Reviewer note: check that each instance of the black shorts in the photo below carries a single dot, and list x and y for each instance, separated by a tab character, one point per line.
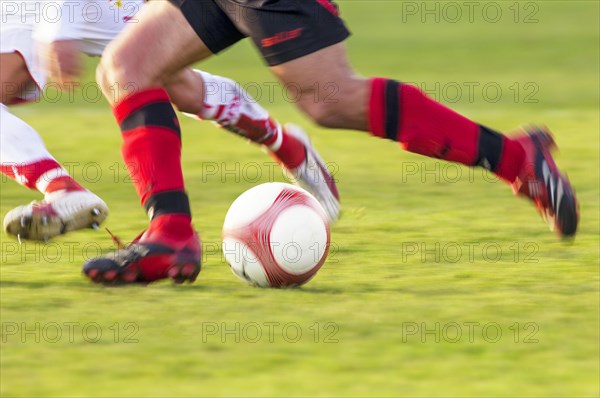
283	30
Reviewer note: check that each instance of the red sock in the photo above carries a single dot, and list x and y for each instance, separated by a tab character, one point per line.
402	113
511	161
45	175
178	226
286	148
65	183
152	153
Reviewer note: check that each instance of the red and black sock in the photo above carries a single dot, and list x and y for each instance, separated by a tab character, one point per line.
403	113
152	152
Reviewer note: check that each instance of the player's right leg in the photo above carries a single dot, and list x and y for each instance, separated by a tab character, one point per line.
132	74
67	206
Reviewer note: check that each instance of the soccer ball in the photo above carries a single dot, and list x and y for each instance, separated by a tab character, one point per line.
275	235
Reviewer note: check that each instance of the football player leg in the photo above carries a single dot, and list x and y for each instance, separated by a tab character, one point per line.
403	113
230	106
151	145
302	42
67	206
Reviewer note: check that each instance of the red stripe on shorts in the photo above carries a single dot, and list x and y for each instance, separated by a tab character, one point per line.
329	6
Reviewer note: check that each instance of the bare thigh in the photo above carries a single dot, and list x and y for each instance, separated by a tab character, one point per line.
326	88
146	54
14	77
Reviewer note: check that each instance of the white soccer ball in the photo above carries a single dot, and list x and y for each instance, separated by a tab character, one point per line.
275	235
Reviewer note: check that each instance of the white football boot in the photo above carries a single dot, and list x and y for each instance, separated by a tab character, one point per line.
60	212
314	176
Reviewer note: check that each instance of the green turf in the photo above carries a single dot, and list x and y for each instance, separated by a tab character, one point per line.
375	291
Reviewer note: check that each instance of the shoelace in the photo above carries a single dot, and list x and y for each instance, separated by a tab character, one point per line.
127	254
118	242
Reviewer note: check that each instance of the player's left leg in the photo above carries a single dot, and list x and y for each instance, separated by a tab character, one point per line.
302	42
401	112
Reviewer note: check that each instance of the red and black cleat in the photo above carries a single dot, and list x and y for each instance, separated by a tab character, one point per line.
542	182
150	257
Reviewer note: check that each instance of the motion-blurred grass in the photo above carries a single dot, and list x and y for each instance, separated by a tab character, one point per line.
416	253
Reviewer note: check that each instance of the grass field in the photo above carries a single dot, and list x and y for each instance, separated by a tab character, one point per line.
440	283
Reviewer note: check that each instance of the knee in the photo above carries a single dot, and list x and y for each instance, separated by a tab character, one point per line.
118	76
186	90
324	114
102	77
342	108
109	73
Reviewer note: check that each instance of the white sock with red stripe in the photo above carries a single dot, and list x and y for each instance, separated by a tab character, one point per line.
228	105
24	157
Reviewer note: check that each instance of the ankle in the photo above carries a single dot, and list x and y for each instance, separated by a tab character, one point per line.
178	226
65	183
511	161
